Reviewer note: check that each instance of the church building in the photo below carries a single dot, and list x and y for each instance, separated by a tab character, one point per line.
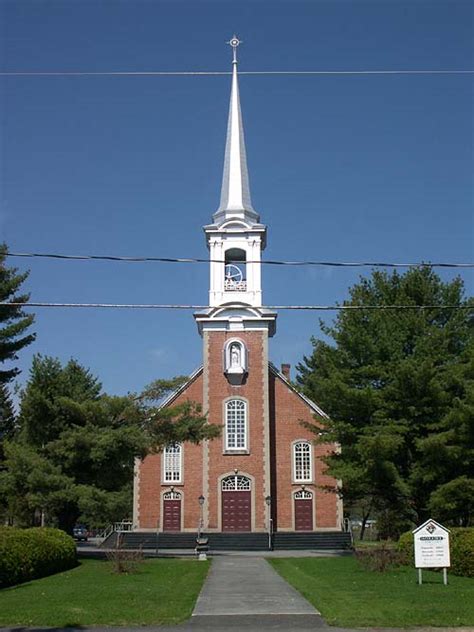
264	474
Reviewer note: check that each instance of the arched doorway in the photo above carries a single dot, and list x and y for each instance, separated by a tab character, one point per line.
172	511
303	510
236	503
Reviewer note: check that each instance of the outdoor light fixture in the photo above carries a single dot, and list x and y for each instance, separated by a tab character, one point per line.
201	500
268	500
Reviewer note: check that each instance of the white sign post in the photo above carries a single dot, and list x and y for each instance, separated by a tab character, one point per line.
431	542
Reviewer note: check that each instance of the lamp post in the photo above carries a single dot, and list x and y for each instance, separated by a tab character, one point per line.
268	501
201	500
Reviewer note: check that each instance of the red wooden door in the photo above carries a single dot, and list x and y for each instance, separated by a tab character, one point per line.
172	515
236	511
304	515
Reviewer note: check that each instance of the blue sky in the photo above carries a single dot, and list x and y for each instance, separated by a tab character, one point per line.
341	167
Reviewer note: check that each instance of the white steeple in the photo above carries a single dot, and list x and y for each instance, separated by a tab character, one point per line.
235	193
235	239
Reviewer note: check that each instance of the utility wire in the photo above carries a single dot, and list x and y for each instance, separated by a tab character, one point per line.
161	73
273	262
205	307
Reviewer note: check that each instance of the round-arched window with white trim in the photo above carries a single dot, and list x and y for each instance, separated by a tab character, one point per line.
302	462
303	494
172	463
235	425
236	483
172	496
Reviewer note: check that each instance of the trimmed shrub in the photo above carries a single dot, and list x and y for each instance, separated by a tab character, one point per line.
27	554
462	551
461	542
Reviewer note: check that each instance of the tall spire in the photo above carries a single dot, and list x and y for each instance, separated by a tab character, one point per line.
235	194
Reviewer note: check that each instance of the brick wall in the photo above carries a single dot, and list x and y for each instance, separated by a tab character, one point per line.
269	453
254	391
287	411
151	486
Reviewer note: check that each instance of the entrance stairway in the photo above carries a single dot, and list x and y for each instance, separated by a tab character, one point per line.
314	541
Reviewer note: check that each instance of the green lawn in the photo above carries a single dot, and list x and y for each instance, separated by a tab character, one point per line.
347	595
163	591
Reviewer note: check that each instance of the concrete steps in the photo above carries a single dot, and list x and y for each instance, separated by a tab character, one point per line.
314	541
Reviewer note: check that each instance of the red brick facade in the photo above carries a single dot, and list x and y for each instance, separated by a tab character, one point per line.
274	415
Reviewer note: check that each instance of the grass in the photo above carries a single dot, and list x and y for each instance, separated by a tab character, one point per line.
162	591
372	544
347	595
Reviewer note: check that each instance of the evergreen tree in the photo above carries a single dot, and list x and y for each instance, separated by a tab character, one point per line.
7	415
14	322
7	420
389	380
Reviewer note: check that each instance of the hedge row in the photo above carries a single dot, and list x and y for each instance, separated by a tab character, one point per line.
461	541
31	553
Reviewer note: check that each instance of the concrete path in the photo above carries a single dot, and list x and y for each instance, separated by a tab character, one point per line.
248	586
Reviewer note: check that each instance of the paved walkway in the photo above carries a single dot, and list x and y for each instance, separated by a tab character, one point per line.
248	586
243	592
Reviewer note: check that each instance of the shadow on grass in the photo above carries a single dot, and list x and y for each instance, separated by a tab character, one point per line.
35	579
67	626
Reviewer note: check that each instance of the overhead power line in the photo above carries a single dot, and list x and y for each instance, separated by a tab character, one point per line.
204	307
273	262
179	73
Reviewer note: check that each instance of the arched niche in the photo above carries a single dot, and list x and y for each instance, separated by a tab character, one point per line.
235	361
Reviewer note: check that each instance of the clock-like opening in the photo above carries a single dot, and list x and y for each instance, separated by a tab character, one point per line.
235	278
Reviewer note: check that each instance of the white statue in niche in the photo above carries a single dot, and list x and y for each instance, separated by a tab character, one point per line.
235	362
235	356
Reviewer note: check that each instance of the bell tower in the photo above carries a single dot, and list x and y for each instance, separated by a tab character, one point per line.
236	238
235	329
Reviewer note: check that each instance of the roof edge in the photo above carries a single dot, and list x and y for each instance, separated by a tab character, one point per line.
307	401
172	396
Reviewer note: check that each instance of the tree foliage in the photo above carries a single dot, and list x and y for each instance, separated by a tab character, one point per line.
397	385
74	454
7	414
14	323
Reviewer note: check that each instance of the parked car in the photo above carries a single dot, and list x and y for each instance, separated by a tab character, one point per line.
80	533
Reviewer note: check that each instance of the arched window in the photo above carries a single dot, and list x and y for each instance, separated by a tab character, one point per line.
236	425
172	463
236	484
302	462
172	496
303	495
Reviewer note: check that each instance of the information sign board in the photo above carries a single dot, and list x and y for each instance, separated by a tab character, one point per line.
431	545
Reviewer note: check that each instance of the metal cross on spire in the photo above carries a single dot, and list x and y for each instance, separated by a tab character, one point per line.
234	42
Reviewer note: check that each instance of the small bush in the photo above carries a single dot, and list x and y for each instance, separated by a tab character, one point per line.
380	558
27	554
461	541
124	561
